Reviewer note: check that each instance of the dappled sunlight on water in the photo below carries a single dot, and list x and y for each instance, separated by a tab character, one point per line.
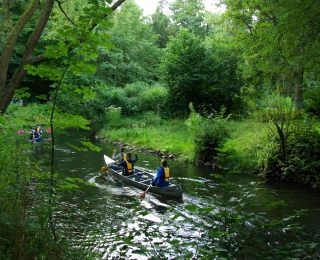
109	219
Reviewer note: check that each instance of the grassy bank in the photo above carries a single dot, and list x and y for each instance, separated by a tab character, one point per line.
171	137
244	147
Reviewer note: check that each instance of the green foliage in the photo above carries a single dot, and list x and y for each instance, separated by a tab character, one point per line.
150	131
162	25
134	99
28	229
22	92
207	133
291	151
312	100
136	56
275	53
280	112
246	144
302	159
151	118
276	108
30	115
189	14
113	115
185	68
199	73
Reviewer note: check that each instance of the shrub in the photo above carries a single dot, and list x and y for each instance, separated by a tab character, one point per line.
312	100
208	133
113	116
302	159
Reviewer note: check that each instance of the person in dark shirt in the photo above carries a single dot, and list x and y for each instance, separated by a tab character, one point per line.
128	164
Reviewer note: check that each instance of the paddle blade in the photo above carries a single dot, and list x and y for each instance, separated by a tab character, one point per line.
103	169
143	195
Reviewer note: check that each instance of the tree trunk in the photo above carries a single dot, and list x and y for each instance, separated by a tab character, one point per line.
7	89
8	86
298	88
282	142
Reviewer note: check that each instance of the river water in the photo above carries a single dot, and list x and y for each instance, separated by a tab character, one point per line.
109	221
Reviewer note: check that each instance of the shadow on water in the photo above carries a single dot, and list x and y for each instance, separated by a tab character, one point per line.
110	220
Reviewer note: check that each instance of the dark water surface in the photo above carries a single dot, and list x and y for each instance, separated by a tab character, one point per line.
109	219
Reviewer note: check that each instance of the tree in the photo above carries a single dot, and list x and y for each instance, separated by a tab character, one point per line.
162	26
200	73
15	28
136	56
189	14
279	42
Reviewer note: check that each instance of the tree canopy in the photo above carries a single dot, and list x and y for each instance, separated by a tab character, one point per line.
26	25
279	41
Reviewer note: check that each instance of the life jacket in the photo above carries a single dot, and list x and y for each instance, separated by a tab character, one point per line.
38	130
124	156
129	167
166	174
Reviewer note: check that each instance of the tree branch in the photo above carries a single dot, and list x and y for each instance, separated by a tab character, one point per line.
8	22
60	7
12	41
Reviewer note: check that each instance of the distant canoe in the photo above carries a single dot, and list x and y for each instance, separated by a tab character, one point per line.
142	179
35	140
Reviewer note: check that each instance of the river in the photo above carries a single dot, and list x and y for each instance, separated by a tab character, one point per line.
109	221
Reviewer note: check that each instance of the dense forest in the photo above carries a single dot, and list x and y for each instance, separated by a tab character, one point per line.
256	60
104	66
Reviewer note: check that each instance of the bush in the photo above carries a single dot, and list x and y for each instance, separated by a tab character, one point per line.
113	116
312	100
208	133
303	152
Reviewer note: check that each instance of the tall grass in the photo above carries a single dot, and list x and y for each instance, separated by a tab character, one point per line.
246	145
169	136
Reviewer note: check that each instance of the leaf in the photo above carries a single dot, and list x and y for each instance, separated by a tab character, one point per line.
191	207
91	146
174	242
217	176
176	216
220	250
209	209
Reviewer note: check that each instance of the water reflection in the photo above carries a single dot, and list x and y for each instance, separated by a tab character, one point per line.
109	219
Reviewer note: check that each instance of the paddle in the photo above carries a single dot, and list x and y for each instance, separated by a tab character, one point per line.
143	195
104	168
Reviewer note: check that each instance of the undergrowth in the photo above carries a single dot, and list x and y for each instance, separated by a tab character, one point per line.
244	146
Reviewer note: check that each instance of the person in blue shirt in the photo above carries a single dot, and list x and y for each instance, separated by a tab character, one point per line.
128	164
163	175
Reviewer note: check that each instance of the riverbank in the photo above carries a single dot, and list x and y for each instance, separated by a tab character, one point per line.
171	138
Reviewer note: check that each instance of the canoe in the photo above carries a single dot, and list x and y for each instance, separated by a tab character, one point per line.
35	140
141	180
